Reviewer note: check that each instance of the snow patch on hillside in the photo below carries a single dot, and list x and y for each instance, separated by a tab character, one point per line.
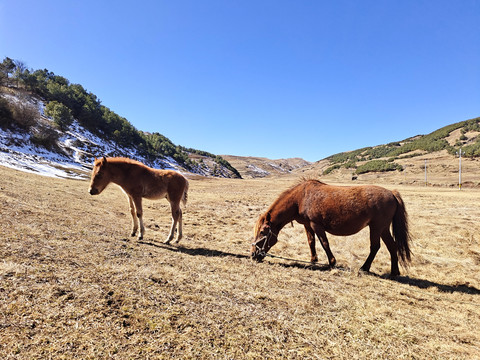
78	150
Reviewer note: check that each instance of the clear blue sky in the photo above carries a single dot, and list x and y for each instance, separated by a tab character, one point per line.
277	79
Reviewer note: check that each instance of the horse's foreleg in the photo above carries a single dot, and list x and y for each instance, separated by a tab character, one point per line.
324	241
311	243
134	216
392	249
374	247
139	212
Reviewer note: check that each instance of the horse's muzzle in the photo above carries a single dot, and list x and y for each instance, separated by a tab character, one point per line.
257	255
93	191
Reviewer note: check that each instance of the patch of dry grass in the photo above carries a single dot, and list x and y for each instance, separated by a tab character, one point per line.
73	285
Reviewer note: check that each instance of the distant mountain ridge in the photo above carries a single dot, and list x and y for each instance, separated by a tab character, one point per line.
258	167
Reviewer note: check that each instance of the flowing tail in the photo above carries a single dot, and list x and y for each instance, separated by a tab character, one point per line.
185	193
400	230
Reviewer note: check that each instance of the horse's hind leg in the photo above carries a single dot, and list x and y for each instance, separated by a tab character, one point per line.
139	212
176	218
134	215
311	243
180	226
392	249
374	247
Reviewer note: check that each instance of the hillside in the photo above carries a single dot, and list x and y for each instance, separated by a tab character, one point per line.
46	120
404	162
257	167
44	147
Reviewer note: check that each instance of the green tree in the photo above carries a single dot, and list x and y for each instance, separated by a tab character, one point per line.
61	115
20	68
7	67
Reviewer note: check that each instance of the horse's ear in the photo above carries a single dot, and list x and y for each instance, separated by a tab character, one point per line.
268	218
104	161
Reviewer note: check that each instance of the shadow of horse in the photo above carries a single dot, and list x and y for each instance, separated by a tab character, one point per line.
419	283
425	284
199	251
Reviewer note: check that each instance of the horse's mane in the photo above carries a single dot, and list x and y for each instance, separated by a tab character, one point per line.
301	182
124	160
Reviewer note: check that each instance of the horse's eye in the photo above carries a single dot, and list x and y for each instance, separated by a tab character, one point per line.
99	176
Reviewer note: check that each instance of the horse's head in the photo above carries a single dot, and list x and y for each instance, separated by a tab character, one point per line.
100	176
264	237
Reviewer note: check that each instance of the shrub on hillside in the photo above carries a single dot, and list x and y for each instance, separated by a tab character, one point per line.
6	117
46	137
24	114
378	166
331	168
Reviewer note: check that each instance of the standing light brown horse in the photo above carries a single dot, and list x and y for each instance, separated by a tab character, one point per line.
338	210
140	181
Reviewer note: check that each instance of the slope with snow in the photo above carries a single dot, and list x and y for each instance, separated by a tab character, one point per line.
76	150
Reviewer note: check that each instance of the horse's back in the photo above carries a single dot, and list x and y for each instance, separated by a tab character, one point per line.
167	183
359	196
347	209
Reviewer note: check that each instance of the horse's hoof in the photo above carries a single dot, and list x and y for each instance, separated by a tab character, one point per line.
167	242
140	238
362	271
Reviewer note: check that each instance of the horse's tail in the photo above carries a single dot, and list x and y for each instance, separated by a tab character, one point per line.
185	193
400	230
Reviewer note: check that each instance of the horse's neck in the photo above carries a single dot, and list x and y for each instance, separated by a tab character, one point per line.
117	173
283	212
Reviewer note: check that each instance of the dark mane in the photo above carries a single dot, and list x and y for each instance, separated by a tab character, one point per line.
303	181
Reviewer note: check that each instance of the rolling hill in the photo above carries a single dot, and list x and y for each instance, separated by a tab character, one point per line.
404	161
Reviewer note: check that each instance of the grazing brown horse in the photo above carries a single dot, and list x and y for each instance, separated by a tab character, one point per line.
139	181
338	210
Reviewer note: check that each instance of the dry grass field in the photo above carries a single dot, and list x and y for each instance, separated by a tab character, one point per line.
74	285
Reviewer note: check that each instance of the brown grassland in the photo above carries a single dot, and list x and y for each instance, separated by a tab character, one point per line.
73	284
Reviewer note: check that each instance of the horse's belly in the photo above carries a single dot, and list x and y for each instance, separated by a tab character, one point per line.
346	228
155	195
